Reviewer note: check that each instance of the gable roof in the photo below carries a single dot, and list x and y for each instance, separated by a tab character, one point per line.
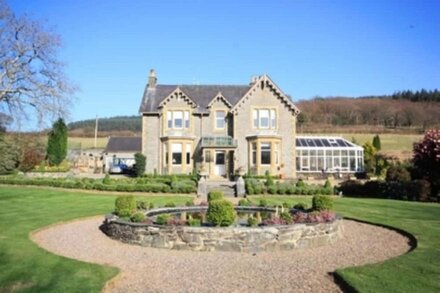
124	144
203	95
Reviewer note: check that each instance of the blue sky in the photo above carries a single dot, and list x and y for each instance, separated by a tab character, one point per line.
309	48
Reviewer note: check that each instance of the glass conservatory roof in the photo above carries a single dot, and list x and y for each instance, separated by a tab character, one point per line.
324	142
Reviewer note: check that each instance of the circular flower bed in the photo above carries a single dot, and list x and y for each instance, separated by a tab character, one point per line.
221	226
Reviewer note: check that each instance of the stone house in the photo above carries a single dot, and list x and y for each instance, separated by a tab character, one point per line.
219	129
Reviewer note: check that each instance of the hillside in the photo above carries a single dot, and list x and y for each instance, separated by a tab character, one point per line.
405	111
124	125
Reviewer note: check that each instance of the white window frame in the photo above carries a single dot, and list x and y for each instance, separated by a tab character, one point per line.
172	116
218	119
271	118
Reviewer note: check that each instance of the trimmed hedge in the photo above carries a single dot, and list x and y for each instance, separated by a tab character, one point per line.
156	185
419	190
254	186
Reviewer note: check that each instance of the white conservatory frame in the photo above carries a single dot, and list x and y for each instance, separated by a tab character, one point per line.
328	154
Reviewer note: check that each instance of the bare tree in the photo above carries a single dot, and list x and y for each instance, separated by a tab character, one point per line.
32	81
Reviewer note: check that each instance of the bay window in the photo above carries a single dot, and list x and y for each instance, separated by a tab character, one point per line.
176	149
265	153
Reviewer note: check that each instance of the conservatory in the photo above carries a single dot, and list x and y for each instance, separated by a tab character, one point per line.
328	154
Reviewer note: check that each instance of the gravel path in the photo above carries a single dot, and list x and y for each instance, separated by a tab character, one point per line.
160	270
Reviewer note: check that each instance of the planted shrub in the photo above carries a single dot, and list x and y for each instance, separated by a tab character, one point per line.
125	206
151	206
194	222
215	195
170	205
269	181
189	203
271	189
327	184
139	166
286	205
162	219
322	202
300	206
221	213
137	217
300	183
420	190
107	180
141	204
263	203
244	202
286	217
252	221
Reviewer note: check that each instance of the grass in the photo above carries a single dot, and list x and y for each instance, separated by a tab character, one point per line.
26	267
86	142
389	142
417	271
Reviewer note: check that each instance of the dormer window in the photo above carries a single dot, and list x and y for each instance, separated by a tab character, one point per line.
178	119
264	118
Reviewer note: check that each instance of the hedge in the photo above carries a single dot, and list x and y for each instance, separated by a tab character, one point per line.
254	186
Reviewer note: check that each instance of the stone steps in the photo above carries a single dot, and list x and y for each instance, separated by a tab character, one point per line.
228	188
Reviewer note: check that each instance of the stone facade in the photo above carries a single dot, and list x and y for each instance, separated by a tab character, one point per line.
241	239
199	106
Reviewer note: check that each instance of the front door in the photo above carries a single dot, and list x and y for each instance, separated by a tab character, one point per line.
220	163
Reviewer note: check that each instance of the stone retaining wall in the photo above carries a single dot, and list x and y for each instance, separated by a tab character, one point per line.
245	239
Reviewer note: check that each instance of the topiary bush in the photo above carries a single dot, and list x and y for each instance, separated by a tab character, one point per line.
322	202
107	180
327	184
137	217
215	195
300	183
142	204
221	213
125	206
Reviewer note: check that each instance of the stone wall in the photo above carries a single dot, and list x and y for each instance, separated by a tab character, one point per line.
244	239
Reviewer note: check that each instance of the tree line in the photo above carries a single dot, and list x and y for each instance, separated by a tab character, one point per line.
117	123
418	109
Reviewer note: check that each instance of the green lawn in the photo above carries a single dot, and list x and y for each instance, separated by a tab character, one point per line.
418	271
23	265
389	142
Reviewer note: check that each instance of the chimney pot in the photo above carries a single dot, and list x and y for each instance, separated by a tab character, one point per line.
152	80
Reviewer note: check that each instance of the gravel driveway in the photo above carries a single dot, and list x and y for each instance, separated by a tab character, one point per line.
160	270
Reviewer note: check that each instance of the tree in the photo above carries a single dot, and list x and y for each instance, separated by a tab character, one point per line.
9	154
369	157
57	143
426	159
139	166
31	76
376	142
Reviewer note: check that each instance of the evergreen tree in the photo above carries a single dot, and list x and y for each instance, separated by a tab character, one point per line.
140	162
376	142
57	143
9	154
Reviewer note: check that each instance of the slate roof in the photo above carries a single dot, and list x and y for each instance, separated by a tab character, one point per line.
202	95
124	144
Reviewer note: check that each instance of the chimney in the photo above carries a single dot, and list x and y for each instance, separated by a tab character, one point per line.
152	80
